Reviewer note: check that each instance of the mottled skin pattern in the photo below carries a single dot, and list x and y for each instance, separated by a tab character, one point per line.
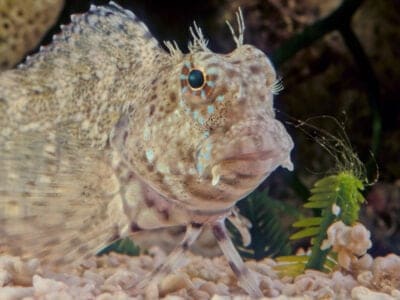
103	134
22	25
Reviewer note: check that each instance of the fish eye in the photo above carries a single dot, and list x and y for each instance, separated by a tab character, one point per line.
196	79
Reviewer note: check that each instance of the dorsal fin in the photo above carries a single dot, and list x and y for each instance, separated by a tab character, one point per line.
99	62
105	29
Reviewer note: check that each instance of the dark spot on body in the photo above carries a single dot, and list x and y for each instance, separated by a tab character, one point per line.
6	25
164	214
31	219
44	253
3	64
231	73
138	65
255	69
52	242
131	176
134	227
148	202
26	194
172	97
212	77
175	170
152	108
125	137
164	269
39	203
223	90
235	269
185	71
213	65
160	177
196	225
190	153
185	246
83	249
75	242
144	157
31	183
122	27
219	233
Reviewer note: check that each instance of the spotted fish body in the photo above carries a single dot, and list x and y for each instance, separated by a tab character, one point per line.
103	133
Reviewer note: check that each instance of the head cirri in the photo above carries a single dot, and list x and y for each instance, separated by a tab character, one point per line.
205	134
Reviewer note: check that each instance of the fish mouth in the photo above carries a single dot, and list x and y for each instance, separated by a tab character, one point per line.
249	151
259	140
251	156
232	162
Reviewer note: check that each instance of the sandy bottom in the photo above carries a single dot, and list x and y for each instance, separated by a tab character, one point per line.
113	277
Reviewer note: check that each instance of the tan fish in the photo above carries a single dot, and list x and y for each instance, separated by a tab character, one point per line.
103	134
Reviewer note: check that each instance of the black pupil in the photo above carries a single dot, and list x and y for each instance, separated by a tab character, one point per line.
196	79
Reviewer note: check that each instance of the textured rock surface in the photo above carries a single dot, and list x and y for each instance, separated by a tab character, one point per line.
113	277
23	23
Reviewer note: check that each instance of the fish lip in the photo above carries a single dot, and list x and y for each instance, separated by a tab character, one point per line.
267	140
262	141
256	155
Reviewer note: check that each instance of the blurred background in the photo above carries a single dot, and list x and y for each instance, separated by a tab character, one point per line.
336	58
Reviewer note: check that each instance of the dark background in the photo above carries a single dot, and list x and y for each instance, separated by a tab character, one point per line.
343	63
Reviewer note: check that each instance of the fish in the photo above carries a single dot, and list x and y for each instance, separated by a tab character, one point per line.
106	133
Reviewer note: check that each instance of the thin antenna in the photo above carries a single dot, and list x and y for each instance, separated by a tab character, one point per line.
239	36
173	49
199	41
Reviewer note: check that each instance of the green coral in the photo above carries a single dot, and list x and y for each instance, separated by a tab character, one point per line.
338	197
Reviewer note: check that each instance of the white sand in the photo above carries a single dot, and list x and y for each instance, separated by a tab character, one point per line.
113	277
